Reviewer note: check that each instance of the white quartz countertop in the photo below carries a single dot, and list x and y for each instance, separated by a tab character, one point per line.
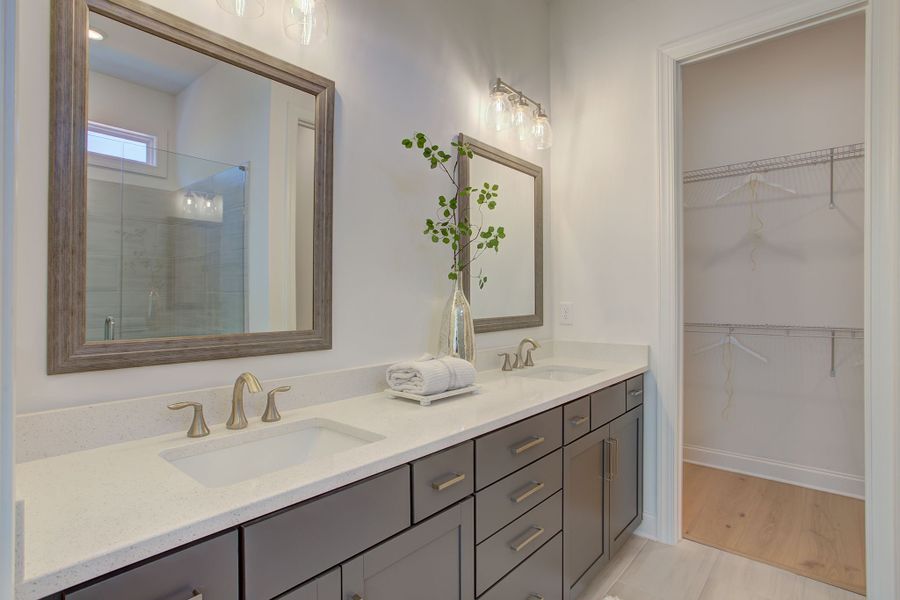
92	512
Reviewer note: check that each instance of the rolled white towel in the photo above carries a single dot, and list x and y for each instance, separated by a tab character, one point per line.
430	375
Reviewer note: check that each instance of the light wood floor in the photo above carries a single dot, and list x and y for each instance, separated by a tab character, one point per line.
644	570
811	533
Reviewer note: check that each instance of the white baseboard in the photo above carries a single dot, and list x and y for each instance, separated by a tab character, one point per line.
809	477
647	528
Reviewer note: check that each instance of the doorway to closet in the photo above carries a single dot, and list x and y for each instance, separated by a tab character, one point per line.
773	229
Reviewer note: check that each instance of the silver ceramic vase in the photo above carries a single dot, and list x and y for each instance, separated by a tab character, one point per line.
457	337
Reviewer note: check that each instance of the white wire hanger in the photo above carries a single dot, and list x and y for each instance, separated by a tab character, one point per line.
753	182
729	340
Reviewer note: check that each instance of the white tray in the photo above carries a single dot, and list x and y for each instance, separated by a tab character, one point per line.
427	400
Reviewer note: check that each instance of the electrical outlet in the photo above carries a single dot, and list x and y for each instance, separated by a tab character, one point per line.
566	313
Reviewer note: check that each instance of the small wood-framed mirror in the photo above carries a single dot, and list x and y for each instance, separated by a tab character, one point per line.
190	194
513	297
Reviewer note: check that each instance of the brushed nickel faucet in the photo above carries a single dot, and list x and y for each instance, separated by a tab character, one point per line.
238	419
528	361
271	414
198	424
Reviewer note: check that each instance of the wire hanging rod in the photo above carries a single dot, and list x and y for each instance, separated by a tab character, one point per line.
827	155
784	330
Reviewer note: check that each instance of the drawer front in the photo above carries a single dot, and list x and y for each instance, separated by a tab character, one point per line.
326	587
607	404
500	553
634	392
576	419
500	453
209	568
513	496
290	547
537	577
442	479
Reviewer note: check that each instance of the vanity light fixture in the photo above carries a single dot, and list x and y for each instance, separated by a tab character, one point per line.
248	9
509	106
305	21
95	35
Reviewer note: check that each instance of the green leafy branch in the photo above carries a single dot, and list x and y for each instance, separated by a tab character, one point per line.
450	228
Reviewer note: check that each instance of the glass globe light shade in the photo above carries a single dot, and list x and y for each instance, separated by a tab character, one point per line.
498	110
305	21
541	130
521	119
248	9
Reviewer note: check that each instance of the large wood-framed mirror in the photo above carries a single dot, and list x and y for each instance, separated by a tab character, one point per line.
190	194
513	298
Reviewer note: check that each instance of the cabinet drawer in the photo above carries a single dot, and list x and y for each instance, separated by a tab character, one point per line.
288	548
635	392
576	419
607	404
209	568
502	452
326	587
537	577
442	479
513	496
500	553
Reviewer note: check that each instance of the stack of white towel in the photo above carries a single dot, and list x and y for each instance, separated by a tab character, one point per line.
429	375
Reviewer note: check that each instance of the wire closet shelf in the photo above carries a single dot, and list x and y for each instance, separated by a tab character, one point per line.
775	330
814	157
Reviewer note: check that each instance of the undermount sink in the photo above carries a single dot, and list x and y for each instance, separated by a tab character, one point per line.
558	373
239	457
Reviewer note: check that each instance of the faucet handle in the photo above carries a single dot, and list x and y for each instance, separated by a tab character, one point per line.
271	413
198	424
529	360
506	365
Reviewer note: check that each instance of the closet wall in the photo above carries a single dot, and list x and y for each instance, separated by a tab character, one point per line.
777	258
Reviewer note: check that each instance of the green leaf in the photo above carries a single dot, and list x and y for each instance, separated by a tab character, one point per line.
407	143
451	275
495	187
435	239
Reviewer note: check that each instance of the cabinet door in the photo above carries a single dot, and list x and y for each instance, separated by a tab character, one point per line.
626	486
434	560
585	496
325	587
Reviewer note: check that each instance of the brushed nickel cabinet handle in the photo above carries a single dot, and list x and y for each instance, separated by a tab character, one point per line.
607	462
636	393
614	459
521	543
197	596
356	597
536	440
578	421
455	478
535	597
534	489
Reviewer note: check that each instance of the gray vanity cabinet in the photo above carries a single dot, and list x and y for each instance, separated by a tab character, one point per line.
626	488
433	560
586	498
326	587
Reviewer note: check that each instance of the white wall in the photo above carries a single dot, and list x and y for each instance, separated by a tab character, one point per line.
788	419
604	216
400	66
7	401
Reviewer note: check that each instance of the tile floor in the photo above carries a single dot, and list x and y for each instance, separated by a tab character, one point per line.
645	570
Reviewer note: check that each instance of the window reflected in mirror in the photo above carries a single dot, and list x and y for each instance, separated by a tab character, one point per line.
200	193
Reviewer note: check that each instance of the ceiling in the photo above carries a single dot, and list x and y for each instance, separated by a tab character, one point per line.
133	55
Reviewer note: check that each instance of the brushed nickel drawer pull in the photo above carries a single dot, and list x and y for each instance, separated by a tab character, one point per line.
536	440
535	597
534	489
578	421
356	597
454	478
636	393
519	545
197	596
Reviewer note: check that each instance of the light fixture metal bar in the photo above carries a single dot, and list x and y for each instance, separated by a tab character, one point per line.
505	87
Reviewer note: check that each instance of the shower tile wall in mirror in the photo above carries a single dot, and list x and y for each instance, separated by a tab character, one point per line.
200	193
